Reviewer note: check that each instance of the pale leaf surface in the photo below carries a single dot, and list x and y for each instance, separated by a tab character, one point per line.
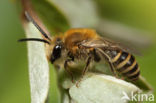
38	66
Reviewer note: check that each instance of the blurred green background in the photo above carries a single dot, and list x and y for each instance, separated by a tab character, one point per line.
14	83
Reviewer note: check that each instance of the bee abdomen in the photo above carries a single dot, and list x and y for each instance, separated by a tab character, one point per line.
125	64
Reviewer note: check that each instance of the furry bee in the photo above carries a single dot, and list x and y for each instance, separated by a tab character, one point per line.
87	46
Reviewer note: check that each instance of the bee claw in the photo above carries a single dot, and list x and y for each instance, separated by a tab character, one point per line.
122	78
118	77
78	82
77	85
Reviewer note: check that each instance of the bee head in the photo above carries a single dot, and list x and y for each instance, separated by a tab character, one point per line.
54	46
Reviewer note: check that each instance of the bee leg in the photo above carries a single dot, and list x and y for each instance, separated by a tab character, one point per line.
110	63
122	78
84	70
87	66
112	69
68	71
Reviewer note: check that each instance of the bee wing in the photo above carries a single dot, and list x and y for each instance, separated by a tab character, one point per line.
108	44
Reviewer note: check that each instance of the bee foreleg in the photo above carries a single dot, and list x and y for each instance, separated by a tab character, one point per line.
66	68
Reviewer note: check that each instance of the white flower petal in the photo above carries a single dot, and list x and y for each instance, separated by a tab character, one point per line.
101	89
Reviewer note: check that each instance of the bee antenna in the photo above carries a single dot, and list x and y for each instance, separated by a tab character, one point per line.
34	39
36	25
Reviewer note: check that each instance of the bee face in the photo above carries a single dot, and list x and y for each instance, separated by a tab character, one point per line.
56	51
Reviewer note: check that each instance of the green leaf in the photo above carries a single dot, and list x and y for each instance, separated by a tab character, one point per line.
55	21
80	13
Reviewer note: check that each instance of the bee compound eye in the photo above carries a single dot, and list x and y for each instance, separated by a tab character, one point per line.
57	47
56	53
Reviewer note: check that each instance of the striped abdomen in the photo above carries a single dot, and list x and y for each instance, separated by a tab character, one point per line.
125	64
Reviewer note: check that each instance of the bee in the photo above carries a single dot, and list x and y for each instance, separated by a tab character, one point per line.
85	45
